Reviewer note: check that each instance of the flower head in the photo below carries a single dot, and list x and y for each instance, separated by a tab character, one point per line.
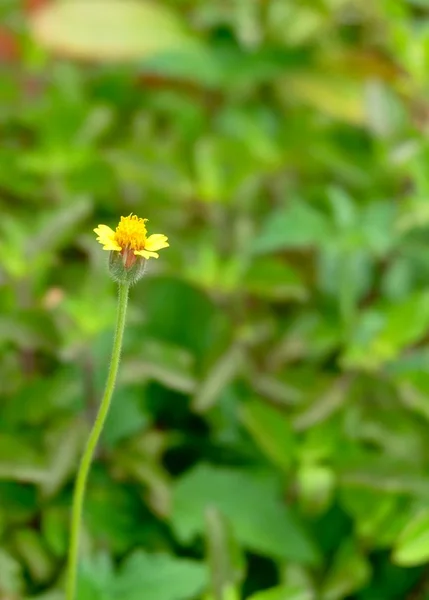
129	243
130	238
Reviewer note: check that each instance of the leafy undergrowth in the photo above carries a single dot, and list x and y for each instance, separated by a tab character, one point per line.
268	438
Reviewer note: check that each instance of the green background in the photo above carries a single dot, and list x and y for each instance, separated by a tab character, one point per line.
269	435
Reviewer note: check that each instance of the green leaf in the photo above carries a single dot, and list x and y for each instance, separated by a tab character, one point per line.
271	431
59	226
115	514
139	459
125	417
284	592
273	279
194	62
316	487
11	582
96	579
55	397
380	336
420	3
412	545
19	461
227	565
159	577
29	329
297	226
34	555
252	502
65	445
222	372
340	97
154	576
53	595
55	529
169	364
170	322
19	502
379	517
108	30
350	571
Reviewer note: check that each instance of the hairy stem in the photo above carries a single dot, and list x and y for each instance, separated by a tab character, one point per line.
86	460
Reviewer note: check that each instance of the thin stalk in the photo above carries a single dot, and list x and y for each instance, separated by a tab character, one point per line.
94	436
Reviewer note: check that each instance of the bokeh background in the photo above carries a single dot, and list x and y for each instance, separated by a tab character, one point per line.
269	436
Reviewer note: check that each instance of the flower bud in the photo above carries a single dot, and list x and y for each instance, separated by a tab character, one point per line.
125	267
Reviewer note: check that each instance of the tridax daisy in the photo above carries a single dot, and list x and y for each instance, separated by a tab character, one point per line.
130	239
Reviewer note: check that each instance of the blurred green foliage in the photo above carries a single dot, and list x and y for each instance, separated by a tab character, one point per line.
269	436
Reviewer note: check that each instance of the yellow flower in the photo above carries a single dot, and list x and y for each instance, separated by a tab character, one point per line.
130	239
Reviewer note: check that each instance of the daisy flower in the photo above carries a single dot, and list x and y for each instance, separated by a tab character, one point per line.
130	240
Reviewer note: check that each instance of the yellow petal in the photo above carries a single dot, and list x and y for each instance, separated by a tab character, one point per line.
146	254
156	241
106	237
103	230
111	246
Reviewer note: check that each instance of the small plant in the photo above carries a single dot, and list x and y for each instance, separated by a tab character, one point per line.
129	249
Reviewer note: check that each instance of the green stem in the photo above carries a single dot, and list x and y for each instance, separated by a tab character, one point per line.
85	463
